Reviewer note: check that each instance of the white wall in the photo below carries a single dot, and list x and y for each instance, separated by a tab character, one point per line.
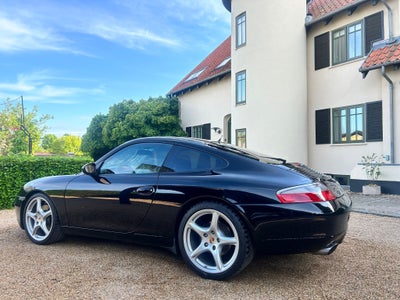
275	113
209	104
342	85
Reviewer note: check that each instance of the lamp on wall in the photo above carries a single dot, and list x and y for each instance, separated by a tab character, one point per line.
218	131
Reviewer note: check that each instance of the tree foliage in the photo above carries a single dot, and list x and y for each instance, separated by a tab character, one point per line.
48	141
13	139
67	144
129	120
92	140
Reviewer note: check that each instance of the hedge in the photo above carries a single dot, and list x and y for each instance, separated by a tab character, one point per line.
15	171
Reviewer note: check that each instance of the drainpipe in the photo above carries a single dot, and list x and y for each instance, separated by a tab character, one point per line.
390	19
391	108
390	113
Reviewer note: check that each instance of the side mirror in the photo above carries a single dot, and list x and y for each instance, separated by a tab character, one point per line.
89	169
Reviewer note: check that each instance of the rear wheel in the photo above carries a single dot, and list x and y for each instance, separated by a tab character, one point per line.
213	241
41	220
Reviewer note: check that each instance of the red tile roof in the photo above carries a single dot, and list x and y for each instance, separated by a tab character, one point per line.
383	53
209	69
321	9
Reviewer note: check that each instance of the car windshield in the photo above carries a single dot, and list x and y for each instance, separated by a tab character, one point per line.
248	153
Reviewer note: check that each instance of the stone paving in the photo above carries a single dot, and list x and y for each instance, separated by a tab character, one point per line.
384	205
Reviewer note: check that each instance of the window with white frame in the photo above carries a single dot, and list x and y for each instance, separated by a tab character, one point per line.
241	87
241	30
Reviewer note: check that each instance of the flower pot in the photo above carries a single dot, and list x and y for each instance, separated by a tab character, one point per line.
371	189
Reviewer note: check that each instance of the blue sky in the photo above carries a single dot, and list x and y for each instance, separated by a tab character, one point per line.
74	59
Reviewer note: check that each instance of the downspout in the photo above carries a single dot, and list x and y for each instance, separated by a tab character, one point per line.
391	93
390	19
391	116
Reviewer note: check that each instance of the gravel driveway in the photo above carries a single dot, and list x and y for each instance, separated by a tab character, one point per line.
365	266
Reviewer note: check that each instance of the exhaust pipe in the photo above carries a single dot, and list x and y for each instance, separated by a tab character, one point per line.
328	250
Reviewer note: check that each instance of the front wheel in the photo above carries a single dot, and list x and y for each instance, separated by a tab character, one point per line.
41	220
213	241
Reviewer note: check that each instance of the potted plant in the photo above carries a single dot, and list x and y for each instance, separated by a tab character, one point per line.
371	165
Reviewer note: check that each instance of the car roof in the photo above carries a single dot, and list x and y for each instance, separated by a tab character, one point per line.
215	146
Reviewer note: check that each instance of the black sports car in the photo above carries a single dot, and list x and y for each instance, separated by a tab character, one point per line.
213	203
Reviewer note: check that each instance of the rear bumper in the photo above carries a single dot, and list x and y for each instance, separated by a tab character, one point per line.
298	228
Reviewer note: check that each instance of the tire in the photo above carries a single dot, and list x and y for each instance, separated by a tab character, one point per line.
41	221
214	242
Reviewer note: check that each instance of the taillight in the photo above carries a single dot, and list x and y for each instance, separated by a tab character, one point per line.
315	192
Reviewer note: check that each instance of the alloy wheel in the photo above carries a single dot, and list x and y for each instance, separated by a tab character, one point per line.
211	241
39	218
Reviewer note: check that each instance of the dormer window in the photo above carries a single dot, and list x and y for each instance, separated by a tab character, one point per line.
223	63
195	75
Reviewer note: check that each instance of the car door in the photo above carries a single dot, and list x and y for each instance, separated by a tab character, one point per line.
118	198
186	174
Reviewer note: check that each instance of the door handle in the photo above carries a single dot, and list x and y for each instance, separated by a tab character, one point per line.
145	190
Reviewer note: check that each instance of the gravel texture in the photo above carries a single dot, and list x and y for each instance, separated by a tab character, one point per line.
384	204
365	266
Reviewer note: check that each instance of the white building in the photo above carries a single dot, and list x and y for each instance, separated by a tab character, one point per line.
311	81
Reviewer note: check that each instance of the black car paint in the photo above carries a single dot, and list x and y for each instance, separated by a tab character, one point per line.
149	209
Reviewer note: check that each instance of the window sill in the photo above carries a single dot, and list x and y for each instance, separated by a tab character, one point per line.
350	144
348	62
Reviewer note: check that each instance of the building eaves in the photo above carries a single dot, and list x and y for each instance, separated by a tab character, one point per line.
215	66
325	10
383	53
227	4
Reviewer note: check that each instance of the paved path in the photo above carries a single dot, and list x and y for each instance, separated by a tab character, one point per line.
384	205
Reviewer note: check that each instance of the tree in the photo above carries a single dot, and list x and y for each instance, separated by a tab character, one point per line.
14	130
48	141
92	140
129	120
72	144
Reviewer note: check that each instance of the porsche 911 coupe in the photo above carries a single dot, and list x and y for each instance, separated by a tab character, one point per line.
213	203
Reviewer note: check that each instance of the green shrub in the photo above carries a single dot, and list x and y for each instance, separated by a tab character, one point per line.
15	171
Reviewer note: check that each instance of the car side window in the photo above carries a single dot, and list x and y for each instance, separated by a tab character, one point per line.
185	160
144	158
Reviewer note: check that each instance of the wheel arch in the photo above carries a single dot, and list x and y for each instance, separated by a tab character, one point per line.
28	195
24	202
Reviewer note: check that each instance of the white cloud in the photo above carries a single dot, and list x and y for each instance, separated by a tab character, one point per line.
17	35
127	35
44	87
53	25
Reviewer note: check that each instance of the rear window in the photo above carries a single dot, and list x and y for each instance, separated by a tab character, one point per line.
248	153
188	160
